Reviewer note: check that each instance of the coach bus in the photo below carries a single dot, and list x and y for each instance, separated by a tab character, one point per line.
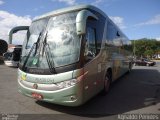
71	54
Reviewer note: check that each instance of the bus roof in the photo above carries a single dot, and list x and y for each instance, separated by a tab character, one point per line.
76	8
69	9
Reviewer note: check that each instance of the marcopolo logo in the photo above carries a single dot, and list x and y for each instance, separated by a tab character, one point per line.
35	86
46	80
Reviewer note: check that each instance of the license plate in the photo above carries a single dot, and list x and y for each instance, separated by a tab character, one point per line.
37	96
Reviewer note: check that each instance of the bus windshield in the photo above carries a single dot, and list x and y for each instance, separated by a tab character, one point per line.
63	43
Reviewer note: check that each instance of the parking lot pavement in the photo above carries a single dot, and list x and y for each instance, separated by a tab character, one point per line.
137	92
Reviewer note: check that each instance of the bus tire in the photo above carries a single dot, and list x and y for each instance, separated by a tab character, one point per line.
107	83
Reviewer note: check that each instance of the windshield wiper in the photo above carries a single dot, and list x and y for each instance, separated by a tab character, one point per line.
36	44
49	57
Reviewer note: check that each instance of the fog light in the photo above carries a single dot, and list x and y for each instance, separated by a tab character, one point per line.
73	98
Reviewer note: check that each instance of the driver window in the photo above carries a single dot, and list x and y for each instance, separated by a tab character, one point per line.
90	47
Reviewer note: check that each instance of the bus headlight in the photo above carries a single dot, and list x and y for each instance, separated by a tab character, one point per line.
71	82
67	83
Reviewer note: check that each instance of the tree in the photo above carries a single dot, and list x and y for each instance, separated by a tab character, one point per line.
146	47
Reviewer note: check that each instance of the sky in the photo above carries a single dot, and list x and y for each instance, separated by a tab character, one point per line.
136	18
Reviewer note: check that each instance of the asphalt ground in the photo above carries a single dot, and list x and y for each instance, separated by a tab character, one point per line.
135	93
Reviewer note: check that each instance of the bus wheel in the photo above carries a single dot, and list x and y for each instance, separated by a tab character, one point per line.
107	83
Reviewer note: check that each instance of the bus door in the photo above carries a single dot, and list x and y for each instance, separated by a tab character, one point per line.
122	54
90	67
114	43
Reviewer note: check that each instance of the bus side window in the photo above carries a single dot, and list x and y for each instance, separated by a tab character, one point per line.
113	36
90	47
110	36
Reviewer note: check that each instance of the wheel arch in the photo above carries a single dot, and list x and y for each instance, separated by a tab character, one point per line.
108	70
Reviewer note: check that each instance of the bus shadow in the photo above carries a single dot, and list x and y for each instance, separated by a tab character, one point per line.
133	91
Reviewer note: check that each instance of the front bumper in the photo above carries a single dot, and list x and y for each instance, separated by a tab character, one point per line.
71	96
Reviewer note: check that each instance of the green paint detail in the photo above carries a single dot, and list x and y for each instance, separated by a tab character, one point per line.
35	61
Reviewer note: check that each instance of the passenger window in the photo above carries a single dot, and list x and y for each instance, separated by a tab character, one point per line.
113	36
90	47
110	34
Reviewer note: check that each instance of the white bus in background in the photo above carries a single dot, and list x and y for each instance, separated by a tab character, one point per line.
12	56
70	55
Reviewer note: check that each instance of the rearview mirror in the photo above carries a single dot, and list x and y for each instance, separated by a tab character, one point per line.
81	20
14	30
